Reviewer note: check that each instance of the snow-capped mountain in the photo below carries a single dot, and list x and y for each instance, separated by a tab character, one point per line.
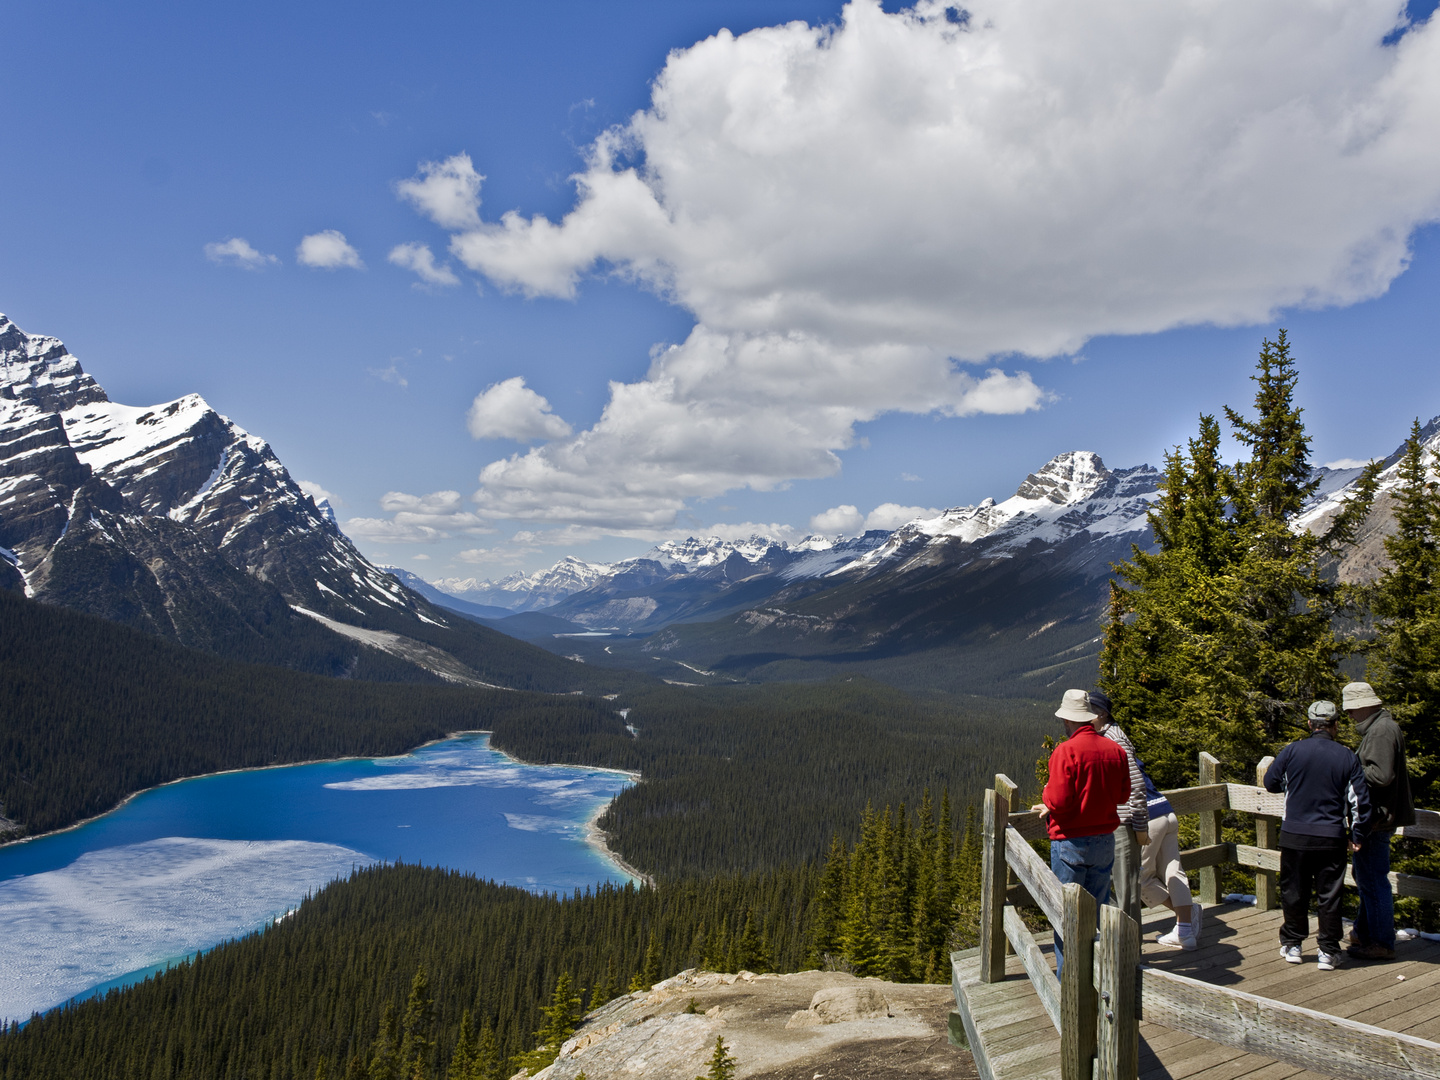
173	519
527	592
1366	559
79	471
1072	494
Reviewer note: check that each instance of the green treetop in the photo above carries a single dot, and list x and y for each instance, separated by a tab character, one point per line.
1225	633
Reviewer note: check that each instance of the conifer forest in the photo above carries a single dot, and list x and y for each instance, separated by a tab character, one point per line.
785	826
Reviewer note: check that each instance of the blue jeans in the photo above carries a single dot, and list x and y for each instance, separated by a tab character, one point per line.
1085	860
1375	921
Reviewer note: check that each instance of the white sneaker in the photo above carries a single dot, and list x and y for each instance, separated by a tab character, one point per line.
1197	916
1290	954
1177	939
1328	961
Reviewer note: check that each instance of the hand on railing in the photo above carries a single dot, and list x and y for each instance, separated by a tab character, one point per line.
1040	810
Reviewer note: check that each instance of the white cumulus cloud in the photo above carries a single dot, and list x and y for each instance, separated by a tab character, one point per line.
838	519
420	259
237	252
447	192
328	250
318	493
511	410
889	516
853	212
418	519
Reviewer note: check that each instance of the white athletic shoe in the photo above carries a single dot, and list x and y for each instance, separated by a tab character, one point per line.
1197	916
1290	954
1328	961
1177	939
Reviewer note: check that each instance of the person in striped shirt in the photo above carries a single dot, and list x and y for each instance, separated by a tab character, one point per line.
1134	830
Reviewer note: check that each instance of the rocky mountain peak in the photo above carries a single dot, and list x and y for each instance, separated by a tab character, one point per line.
40	371
1066	478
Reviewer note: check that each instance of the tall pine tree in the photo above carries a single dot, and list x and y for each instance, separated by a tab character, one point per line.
1225	633
1404	660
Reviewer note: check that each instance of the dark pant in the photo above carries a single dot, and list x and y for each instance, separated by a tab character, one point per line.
1375	921
1304	872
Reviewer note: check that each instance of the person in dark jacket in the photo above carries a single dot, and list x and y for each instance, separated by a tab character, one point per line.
1089	778
1382	754
1326	804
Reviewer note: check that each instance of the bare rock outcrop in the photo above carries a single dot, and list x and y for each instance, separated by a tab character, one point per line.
811	1024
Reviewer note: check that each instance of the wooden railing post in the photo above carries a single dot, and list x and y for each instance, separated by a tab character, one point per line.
995	820
1118	960
1209	831
1008	791
1078	998
1267	835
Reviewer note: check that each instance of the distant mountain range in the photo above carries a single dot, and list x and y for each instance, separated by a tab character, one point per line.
999	597
886	603
174	520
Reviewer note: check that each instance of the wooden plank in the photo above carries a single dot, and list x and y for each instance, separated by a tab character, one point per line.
1047	986
1214	855
1426	827
1118	1041
1037	878
1249	855
1210	830
1302	1037
1196	800
1402	884
1256	800
1078	999
992	888
1267	837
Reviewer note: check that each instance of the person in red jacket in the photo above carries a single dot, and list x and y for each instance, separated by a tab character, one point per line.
1089	778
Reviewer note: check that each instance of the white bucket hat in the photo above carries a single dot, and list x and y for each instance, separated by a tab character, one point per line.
1357	695
1075	706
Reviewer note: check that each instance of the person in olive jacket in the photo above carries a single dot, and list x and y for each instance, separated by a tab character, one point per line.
1382	753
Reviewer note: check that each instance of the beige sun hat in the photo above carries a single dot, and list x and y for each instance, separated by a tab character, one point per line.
1075	706
1357	695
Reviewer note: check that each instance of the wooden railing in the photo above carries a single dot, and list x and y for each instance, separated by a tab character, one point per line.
1104	991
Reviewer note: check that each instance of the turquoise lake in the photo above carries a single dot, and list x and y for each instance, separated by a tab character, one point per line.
186	866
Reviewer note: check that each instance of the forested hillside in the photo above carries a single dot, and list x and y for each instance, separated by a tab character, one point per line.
94	711
751	777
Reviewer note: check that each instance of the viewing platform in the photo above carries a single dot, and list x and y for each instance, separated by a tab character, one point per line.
1232	1009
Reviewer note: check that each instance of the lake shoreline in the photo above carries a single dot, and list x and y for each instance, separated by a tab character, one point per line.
594	835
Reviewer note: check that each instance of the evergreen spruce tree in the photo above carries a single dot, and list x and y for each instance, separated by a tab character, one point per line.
322	1068
462	1061
1223	636
488	1062
1404	659
722	1065
561	1016
384	1062
752	954
606	990
416	1044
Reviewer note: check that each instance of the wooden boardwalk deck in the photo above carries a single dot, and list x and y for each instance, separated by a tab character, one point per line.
1240	949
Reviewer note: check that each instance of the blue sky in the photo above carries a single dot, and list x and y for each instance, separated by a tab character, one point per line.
783	286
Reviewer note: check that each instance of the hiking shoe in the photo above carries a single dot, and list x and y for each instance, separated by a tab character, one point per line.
1328	961
1197	916
1371	951
1177	939
1290	954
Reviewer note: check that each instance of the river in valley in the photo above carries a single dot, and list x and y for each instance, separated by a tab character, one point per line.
183	867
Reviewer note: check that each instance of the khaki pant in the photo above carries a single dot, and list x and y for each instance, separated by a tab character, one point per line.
1161	878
